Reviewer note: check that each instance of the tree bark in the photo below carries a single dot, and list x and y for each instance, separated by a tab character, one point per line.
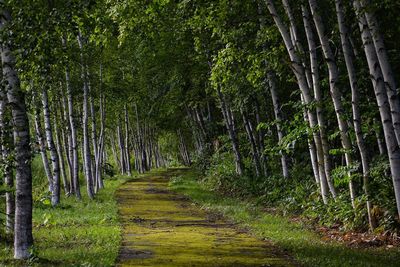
74	139
85	117
127	146
183	149
230	126
55	161
279	119
383	101
253	144
42	145
23	239
386	68
301	77
318	97
121	147
95	147
100	157
60	152
334	90
66	141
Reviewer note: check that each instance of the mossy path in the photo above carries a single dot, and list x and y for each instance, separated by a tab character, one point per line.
162	228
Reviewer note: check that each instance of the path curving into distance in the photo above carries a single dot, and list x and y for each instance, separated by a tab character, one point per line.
162	228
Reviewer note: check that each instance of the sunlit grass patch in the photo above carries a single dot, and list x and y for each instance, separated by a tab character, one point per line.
75	233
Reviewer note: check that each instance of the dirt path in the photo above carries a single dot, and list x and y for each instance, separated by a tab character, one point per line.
161	228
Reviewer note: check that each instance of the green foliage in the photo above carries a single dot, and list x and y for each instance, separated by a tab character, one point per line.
299	194
221	176
383	195
39	179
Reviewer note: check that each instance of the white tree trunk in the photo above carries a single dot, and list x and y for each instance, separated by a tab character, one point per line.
23	239
279	118
127	146
300	74
42	145
386	68
74	138
351	71
315	82
383	102
85	126
55	161
335	92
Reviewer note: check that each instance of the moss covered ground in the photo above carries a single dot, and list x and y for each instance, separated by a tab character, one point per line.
162	228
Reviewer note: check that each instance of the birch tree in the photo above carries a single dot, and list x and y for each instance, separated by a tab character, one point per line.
23	239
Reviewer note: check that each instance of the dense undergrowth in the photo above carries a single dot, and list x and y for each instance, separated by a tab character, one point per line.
305	245
299	195
75	233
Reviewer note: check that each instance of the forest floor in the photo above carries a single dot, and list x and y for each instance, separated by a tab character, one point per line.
163	228
307	246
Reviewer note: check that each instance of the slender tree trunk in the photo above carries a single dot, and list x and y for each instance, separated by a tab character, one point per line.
184	151
318	97
85	117
261	133
114	151
200	119
23	239
142	152
229	123
67	142
199	127
378	133
55	161
347	51
127	146
74	139
383	102
60	153
94	137
253	145
42	145
278	118
121	147
335	92
100	157
319	170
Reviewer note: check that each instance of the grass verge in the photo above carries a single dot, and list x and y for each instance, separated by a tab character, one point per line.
75	233
306	246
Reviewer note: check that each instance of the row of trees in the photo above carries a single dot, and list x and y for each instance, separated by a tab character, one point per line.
62	99
271	86
283	78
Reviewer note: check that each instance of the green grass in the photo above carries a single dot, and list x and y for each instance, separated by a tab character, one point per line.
304	245
75	233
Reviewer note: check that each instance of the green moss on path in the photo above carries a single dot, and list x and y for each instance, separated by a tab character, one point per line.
162	228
